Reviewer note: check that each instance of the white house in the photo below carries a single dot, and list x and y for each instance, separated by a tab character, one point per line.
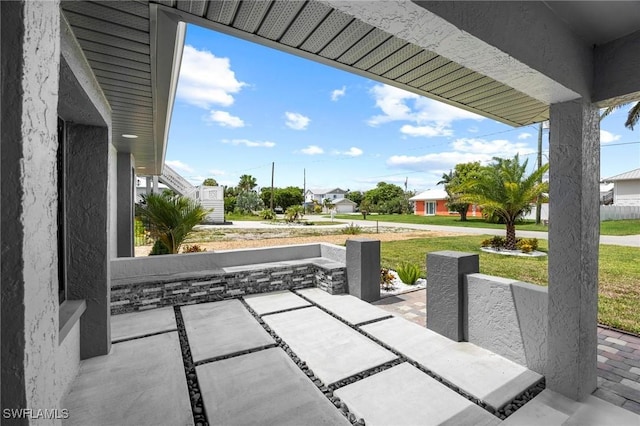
345	205
320	195
626	188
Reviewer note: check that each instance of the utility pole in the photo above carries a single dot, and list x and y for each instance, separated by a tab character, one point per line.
538	201
304	188
272	171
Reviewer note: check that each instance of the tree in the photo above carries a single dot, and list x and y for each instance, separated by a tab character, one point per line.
455	178
385	198
248	202
247	183
633	117
282	197
355	196
503	189
210	182
328	204
172	217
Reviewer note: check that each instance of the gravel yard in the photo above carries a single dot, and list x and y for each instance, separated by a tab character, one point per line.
230	238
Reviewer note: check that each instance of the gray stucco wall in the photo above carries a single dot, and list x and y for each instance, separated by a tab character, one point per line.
125	193
509	318
88	220
30	51
188	262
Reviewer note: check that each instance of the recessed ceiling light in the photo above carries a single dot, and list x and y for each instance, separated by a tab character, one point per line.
130	136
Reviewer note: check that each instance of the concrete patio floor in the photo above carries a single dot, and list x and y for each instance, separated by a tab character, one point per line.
306	357
618	353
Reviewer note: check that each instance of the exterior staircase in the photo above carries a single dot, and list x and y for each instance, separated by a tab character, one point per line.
176	182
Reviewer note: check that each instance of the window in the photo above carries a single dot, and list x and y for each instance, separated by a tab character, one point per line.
61	159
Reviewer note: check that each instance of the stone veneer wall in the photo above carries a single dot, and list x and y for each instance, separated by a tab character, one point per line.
208	286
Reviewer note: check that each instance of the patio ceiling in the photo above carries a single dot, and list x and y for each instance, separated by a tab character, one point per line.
122	41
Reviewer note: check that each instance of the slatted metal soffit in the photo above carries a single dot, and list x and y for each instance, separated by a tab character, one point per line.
115	37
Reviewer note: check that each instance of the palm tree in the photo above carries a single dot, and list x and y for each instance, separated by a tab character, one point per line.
247	183
172	217
503	189
632	119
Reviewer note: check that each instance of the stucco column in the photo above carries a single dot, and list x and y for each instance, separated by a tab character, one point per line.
30	58
363	268
88	223
446	292
126	188
574	224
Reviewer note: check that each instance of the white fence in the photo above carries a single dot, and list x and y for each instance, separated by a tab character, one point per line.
619	212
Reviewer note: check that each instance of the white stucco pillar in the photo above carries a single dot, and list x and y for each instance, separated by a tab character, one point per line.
574	221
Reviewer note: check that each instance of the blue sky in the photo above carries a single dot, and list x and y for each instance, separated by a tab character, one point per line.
241	106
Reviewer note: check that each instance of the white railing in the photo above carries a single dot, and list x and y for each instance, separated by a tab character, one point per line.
176	183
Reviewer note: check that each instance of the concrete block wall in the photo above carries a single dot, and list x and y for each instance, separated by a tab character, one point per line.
504	316
508	318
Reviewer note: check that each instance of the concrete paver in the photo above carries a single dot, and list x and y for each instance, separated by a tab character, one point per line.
267	303
349	308
138	324
404	395
479	372
333	350
550	408
141	382
264	388
222	328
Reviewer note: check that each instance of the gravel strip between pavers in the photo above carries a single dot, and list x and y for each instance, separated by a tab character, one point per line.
195	396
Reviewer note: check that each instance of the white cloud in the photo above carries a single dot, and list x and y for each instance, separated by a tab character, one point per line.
338	93
426	131
296	121
224	119
250	144
352	152
312	150
206	79
524	135
463	150
608	137
217	172
429	118
473	129
179	165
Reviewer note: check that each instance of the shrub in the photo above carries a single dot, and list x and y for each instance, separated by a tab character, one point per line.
352	229
497	242
267	214
408	272
293	213
194	248
159	248
527	245
386	279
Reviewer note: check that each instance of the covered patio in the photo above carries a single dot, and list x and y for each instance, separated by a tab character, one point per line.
79	79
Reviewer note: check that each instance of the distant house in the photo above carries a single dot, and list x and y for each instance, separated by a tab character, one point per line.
319	195
344	205
433	202
626	188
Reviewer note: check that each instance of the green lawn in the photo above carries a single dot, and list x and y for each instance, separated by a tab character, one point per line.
611	227
619	290
620	227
